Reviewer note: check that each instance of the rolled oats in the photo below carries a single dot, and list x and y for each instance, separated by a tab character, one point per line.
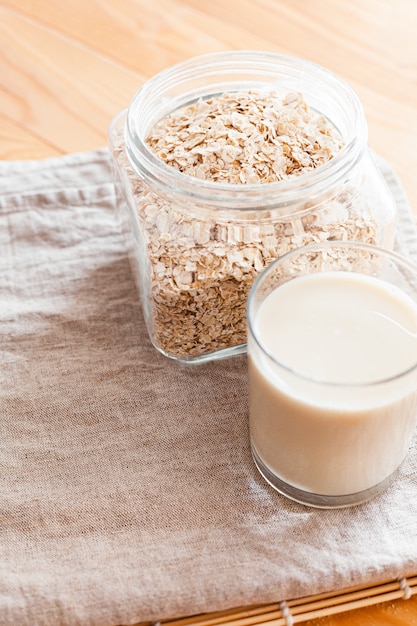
201	267
249	137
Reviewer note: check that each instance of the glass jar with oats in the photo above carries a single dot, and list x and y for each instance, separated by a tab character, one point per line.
225	162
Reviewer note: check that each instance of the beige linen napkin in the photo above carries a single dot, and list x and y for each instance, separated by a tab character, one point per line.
127	487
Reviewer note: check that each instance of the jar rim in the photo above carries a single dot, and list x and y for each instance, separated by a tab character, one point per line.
277	194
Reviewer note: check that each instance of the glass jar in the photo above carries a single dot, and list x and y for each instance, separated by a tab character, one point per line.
195	245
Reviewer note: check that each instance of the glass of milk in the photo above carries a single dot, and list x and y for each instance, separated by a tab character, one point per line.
332	350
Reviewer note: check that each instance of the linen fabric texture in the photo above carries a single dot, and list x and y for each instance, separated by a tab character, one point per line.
128	492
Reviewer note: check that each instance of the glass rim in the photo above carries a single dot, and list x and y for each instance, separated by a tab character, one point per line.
277	194
394	256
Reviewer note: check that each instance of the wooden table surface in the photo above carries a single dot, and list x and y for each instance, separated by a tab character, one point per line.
68	66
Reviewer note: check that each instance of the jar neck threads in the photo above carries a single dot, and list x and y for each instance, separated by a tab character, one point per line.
210	75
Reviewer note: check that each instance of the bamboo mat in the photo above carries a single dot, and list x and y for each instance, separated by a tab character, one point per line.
307	608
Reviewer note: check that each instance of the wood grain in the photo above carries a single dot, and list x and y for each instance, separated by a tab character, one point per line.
67	67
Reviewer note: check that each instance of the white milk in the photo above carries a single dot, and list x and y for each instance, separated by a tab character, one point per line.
333	428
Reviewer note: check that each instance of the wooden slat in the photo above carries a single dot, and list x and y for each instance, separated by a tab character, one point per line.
74	93
165	33
168	30
18	143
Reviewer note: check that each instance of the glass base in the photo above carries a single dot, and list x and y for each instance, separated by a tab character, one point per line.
223	353
318	500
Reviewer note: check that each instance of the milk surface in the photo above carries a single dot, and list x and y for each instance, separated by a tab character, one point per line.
321	418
